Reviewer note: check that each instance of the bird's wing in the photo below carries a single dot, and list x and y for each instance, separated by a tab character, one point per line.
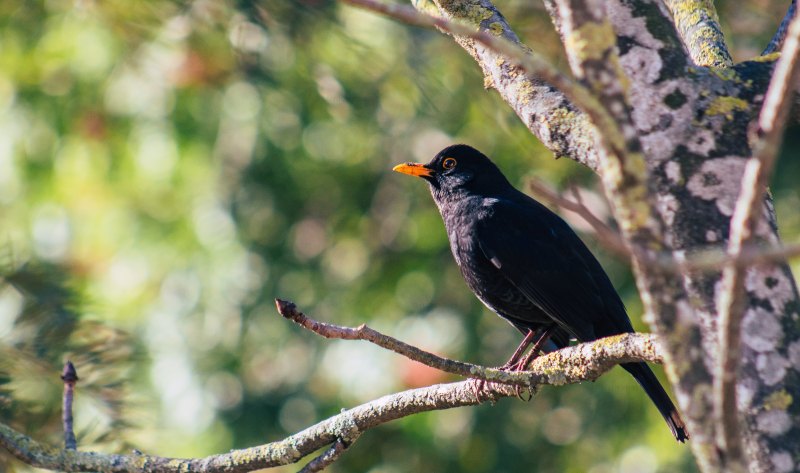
544	258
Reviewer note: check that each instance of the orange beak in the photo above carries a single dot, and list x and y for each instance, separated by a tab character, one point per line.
414	169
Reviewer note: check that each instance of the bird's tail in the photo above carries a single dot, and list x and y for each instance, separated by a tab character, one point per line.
647	380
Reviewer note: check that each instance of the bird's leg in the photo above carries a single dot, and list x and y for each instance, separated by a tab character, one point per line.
537	347
526	342
512	362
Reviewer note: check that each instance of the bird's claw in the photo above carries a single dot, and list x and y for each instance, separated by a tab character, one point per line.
519	390
481	389
477	388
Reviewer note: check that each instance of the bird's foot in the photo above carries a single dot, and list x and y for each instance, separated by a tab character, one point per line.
482	390
519	390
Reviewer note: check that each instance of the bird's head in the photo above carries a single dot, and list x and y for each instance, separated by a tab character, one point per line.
458	169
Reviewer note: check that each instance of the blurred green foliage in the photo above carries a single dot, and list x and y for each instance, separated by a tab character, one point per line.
168	168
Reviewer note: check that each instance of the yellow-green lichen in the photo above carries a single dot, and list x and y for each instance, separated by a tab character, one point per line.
496	28
473	12
243	457
426	6
780	400
726	105
691	12
591	40
768	57
179	465
698	22
563	121
524	91
602	343
638	209
726	74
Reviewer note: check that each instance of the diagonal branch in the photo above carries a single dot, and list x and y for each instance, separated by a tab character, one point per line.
698	25
328	457
585	361
511	52
766	137
605	234
780	35
543	97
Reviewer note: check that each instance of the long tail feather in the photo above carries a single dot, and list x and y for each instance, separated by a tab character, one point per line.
647	380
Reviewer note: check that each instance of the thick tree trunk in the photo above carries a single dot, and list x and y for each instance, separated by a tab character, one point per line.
691	109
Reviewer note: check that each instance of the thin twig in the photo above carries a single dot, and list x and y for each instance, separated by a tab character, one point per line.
290	311
708	260
70	378
329	456
766	138
716	258
780	35
605	234
584	361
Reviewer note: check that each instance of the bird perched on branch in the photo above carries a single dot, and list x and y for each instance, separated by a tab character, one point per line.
527	265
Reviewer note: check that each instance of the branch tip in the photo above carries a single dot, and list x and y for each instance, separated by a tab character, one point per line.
287	309
69	374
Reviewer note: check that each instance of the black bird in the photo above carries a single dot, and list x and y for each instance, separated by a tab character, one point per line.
526	264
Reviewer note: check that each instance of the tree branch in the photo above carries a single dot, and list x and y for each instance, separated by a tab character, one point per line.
712	259
607	236
573	364
777	40
588	360
70	378
511	52
698	25
542	104
328	457
766	137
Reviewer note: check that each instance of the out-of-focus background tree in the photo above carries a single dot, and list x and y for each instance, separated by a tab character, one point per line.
168	168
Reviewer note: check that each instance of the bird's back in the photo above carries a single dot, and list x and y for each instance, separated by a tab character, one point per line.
529	266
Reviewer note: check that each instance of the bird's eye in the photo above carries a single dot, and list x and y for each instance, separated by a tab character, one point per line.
449	163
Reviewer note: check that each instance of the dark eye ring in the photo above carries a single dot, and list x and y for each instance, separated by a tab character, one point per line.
449	163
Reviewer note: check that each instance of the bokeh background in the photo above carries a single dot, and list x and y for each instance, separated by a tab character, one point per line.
168	168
